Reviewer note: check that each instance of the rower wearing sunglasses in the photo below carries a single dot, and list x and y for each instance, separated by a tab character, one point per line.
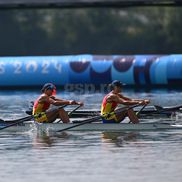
41	110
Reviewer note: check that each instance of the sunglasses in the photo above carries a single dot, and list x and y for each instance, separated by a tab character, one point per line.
51	87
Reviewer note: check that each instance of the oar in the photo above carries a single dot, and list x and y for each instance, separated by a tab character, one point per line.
138	113
18	121
71	112
99	117
27	118
170	108
159	108
21	120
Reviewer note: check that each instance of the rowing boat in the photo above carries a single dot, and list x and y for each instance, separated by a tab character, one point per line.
98	126
24	124
148	112
143	115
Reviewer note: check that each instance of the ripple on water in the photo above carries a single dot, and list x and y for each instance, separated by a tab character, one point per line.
89	156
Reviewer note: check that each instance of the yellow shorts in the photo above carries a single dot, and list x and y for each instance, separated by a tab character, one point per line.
112	117
40	117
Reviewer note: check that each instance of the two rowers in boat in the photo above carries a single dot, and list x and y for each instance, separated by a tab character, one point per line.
43	113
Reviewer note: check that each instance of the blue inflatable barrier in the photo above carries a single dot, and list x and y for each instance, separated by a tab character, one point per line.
91	69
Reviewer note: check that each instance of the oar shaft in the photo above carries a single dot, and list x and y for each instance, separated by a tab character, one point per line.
27	118
138	113
82	123
18	122
99	117
70	113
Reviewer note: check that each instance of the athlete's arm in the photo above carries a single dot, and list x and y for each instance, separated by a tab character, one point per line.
123	97
121	100
144	101
58	102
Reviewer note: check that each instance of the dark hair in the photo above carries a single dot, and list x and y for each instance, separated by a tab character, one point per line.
111	86
115	83
48	86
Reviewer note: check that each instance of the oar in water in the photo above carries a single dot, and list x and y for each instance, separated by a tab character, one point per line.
99	117
21	120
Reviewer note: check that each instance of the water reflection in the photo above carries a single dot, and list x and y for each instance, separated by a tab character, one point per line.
122	139
85	139
119	138
43	139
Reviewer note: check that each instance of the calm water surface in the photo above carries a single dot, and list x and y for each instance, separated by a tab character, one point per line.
89	156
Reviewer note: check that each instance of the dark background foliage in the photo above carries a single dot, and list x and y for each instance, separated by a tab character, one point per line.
134	30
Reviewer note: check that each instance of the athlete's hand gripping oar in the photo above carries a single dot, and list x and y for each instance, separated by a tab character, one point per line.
99	117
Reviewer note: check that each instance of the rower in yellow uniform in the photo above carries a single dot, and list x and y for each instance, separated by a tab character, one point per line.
41	110
113	99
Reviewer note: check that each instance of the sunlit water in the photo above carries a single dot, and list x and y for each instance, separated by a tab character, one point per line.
89	156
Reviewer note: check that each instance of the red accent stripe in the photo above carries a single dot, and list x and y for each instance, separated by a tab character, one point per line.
104	102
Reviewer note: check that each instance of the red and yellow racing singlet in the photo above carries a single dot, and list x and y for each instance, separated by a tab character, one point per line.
108	107
40	107
39	110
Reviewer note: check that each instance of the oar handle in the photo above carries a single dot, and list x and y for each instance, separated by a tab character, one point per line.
71	112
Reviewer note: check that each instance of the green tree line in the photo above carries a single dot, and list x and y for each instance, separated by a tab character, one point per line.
144	30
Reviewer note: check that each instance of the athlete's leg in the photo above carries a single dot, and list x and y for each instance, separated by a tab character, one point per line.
130	113
53	114
132	116
121	116
63	115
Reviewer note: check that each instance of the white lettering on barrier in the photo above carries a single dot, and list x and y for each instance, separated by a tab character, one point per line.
45	67
2	68
17	65
58	67
31	66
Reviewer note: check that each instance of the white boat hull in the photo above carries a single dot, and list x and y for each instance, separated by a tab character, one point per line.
95	127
